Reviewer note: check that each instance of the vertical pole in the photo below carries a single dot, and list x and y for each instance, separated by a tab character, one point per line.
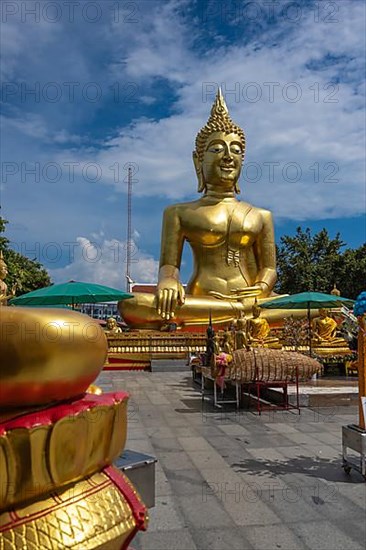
129	228
361	359
309	329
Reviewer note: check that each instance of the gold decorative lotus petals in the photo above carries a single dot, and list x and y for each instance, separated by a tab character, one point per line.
34	461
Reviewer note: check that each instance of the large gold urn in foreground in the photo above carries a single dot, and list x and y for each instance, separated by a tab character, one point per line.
57	441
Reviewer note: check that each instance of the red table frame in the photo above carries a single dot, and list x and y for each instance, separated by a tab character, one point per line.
260	384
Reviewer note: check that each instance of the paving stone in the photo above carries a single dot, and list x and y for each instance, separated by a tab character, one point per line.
226	443
195	444
354	488
334	440
330	503
165	540
203	513
310	427
141	446
185	482
355	528
325	536
165	516
175	460
161	432
268	537
166	444
174	421
301	438
220	539
290	504
136	433
203	429
234	429
241	500
207	459
282	427
272	441
187	431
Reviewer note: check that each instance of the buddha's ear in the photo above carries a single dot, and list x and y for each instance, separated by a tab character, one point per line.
198	168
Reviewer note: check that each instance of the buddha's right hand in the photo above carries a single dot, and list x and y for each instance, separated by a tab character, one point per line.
170	293
248	292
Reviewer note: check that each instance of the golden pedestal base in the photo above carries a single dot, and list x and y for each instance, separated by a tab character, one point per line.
93	514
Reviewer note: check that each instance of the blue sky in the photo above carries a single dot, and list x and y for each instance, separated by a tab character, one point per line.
91	87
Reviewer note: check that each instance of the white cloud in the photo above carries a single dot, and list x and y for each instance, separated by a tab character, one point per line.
323	126
104	263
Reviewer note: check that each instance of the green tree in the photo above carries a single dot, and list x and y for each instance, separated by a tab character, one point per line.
306	262
352	279
25	274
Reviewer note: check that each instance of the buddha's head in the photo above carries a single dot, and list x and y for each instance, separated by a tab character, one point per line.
3	267
111	323
227	336
323	313
240	323
256	310
220	147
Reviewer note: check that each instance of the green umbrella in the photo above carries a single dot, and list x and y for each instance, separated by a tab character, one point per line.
308	301
72	293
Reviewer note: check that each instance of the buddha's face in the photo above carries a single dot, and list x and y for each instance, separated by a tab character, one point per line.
3	270
256	312
111	324
222	160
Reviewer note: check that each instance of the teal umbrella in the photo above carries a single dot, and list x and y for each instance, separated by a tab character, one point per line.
70	293
308	301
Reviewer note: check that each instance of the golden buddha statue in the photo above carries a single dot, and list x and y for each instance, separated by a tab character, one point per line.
241	340
112	327
216	345
232	241
335	291
258	331
324	330
4	296
227	342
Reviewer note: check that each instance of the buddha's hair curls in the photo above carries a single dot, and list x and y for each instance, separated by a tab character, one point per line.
219	121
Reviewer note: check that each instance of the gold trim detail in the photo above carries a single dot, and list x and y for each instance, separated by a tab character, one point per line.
92	514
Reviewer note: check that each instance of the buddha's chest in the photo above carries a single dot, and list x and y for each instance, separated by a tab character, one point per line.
220	224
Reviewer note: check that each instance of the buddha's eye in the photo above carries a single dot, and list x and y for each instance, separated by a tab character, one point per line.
236	149
216	149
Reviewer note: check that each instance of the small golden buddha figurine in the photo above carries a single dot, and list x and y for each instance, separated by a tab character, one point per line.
228	344
4	296
258	332
232	241
241	340
335	291
324	331
112	327
216	345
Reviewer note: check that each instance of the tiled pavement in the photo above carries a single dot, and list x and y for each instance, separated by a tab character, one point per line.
228	480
